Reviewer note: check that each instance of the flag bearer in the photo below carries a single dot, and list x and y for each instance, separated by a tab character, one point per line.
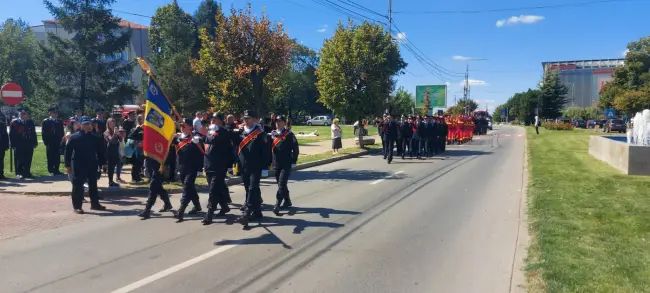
253	153
189	153
218	158
285	154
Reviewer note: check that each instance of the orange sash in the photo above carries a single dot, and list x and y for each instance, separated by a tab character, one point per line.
280	138
248	139
186	142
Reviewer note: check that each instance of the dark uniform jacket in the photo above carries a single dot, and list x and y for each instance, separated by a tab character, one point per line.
253	153
405	130
52	130
421	130
4	136
22	134
284	147
83	153
189	154
219	154
391	129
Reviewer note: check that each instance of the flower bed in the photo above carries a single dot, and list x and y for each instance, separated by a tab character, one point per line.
557	126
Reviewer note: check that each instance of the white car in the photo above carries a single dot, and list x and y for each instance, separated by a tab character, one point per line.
320	120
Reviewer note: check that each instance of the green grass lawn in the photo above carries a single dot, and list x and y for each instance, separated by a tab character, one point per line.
590	224
39	162
325	132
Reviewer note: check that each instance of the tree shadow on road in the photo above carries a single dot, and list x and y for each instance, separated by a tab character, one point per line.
339	175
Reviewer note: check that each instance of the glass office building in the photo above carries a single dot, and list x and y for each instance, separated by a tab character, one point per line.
583	78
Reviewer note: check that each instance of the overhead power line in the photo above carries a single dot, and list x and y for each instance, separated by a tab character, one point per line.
540	7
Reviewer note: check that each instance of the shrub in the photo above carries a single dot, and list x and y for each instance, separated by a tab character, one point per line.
557	126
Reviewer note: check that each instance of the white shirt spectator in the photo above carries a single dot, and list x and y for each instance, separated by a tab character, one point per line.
197	124
336	131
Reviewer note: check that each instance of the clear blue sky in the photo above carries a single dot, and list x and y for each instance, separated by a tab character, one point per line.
514	47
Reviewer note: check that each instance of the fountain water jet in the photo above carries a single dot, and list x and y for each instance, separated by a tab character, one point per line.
639	135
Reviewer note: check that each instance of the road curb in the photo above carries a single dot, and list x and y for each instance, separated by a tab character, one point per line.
518	280
144	190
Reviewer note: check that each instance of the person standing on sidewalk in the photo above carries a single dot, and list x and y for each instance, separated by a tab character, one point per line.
112	142
285	153
190	160
82	156
537	124
4	144
52	134
22	134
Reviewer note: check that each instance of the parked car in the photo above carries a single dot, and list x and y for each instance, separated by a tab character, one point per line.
615	125
320	120
580	123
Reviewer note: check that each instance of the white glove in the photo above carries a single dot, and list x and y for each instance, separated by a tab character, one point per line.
195	139
293	165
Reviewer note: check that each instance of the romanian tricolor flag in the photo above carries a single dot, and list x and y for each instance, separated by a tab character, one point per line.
159	127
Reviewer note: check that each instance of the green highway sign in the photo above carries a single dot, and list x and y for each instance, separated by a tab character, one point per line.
437	96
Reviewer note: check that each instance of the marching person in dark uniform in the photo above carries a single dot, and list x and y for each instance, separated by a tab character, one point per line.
155	189
170	162
420	130
77	115
218	158
82	156
4	144
189	153
52	134
390	134
220	121
406	132
253	154
398	141
22	134
444	131
285	153
431	137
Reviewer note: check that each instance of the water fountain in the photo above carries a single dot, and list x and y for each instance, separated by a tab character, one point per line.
639	135
631	155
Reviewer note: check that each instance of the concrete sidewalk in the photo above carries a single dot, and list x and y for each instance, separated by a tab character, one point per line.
324	146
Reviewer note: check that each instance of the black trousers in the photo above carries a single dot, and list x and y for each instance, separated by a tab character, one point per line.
2	162
136	168
282	179
399	146
156	188
383	144
537	129
443	144
390	145
217	183
251	180
79	177
53	154
23	160
405	142
189	189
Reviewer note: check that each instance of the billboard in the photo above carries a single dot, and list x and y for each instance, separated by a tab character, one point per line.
437	95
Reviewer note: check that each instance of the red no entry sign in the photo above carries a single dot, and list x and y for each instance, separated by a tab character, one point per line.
12	93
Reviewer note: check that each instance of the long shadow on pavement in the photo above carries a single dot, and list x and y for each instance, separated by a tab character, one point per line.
339	175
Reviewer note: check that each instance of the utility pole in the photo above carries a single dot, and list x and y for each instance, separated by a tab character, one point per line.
390	32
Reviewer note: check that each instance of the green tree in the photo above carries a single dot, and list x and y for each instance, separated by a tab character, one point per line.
18	52
296	91
632	101
402	102
355	75
245	51
608	93
553	96
205	16
574	113
87	66
496	115
172	37
592	113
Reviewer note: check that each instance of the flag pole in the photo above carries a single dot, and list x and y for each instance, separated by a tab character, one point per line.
146	68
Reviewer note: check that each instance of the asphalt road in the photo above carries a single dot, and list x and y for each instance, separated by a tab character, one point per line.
359	225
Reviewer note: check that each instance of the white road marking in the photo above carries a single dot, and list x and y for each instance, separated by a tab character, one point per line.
173	269
387	177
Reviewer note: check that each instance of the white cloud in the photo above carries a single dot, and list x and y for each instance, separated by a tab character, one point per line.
475	82
322	29
526	19
460	58
624	53
401	36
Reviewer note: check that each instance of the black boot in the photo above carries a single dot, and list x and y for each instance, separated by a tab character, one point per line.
287	203
180	213
166	208
146	214
223	211
243	218
276	208
208	217
195	210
